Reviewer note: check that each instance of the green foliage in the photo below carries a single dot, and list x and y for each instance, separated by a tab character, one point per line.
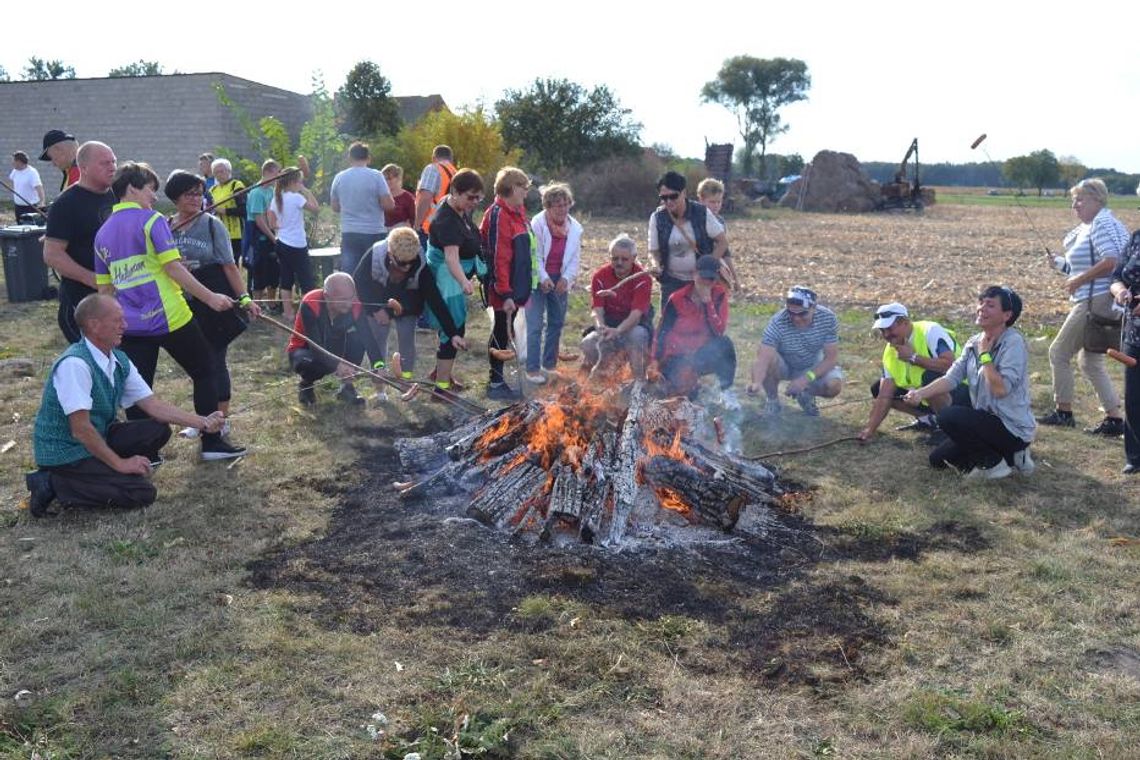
755	89
1039	169
39	70
320	141
139	68
949	714
475	140
365	104
561	125
1071	170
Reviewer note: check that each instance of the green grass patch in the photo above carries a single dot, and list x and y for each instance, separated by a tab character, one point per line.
949	716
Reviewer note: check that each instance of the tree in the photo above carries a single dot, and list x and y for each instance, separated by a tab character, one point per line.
3	74
560	125
755	89
365	104
1072	170
139	68
39	70
1039	169
474	137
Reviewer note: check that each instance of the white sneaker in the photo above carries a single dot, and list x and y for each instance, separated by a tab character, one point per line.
997	472
1023	462
193	432
535	378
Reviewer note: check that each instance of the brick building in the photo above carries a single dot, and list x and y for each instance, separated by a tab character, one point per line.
166	120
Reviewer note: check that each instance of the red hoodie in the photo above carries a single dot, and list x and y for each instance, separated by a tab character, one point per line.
686	325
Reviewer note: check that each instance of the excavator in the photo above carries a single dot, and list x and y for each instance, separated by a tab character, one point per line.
903	192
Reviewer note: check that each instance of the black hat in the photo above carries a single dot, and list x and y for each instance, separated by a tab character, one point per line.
51	137
708	267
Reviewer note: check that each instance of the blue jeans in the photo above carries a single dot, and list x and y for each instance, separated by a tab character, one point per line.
551	306
353	246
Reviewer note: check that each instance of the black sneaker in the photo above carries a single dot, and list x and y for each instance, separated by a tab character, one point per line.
1109	427
348	395
502	392
220	448
306	395
40	492
1058	419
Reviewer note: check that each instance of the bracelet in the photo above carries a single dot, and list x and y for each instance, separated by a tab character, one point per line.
810	375
984	358
379	364
244	300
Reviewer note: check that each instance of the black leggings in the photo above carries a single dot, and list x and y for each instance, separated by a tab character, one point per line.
501	336
189	348
977	439
1132	408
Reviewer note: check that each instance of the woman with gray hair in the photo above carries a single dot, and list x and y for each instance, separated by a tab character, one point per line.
1092	250
559	252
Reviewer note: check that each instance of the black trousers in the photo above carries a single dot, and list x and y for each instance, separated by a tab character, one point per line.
312	365
70	294
976	439
189	348
91	483
1132	407
501	336
716	357
960	396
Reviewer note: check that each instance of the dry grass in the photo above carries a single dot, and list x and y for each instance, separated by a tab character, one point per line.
944	619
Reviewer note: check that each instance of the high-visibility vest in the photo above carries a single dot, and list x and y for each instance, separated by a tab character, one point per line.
446	172
908	375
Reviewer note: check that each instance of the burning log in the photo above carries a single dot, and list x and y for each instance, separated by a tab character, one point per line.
698	497
501	498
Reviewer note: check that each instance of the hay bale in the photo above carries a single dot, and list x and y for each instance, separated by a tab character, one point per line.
833	182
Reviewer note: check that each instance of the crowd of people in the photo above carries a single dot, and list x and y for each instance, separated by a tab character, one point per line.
133	281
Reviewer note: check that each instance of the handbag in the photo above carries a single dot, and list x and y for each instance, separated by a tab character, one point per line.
1102	322
220	327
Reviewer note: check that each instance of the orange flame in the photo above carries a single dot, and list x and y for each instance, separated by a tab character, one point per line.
674	451
494	433
671	500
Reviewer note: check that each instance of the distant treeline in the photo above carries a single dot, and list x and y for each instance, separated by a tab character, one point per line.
988	174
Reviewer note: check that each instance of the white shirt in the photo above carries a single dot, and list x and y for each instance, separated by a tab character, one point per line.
682	251
291	219
25	181
72	381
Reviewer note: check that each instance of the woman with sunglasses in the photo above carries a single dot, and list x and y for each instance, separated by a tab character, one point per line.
680	232
395	284
455	255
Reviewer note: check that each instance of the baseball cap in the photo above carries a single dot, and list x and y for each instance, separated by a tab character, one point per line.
886	315
708	267
51	137
801	295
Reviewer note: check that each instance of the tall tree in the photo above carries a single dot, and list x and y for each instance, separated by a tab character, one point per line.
39	70
1039	169
561	125
139	68
365	103
1071	170
755	89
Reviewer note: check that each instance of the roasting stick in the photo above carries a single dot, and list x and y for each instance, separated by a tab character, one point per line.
12	190
609	292
788	452
239	193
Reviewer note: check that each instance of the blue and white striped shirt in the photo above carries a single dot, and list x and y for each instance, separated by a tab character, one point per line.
801	348
1108	238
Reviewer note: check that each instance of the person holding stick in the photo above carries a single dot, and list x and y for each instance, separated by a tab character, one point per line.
1125	289
680	232
27	187
559	251
622	311
291	199
990	439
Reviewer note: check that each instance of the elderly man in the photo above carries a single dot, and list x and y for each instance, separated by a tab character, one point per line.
800	344
623	315
85	457
334	319
691	340
73	220
916	354
61	149
361	196
228	208
433	187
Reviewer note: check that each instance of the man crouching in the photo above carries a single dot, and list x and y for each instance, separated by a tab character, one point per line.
86	458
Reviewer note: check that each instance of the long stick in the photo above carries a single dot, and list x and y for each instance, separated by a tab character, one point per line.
606	293
27	202
973	146
399	385
239	193
805	450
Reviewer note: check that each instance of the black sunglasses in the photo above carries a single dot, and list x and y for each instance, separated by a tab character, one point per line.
885	314
668	197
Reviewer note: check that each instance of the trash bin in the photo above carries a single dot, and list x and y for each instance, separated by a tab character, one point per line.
25	273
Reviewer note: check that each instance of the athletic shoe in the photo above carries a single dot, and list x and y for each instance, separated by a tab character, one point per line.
192	432
1023	462
348	395
1109	427
220	448
1130	469
997	472
772	407
535	378
306	395
806	400
927	424
40	492
456	384
502	392
1058	419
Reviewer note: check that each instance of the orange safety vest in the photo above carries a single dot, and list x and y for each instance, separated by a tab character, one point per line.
446	172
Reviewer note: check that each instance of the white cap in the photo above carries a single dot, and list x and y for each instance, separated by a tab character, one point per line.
886	315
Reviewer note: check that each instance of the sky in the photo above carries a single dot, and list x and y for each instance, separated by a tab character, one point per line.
1030	75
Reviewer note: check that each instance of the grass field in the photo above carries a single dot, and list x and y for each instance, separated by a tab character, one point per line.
289	606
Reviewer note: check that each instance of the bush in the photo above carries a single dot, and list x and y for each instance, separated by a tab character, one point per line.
618	186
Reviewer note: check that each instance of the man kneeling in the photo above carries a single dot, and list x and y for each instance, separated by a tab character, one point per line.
85	457
916	354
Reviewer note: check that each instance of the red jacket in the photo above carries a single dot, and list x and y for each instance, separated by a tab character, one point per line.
686	325
314	321
509	248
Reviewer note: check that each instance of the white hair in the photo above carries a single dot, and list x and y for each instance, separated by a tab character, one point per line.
222	162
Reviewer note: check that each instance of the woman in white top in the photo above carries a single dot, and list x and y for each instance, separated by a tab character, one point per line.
291	199
559	248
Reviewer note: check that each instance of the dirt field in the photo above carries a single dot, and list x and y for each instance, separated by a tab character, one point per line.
293	606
